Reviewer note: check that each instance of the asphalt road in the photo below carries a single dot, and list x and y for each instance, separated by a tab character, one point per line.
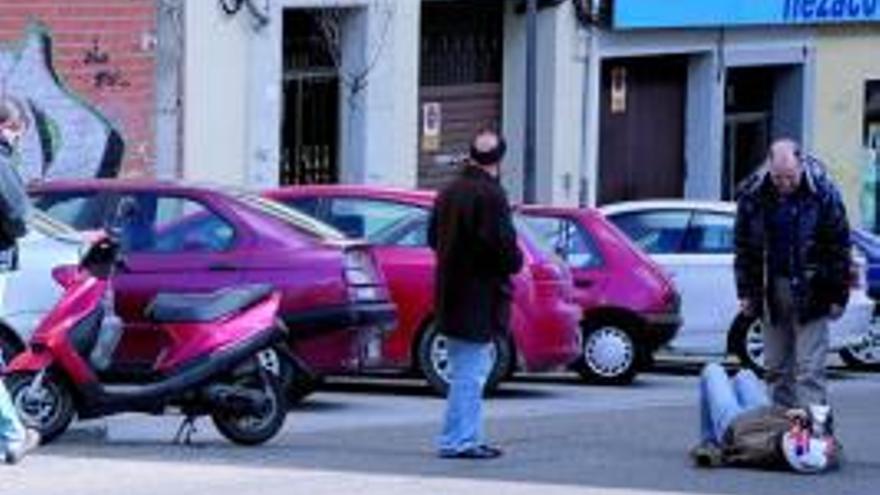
375	436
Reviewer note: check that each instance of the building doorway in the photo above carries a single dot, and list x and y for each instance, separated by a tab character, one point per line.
761	104
460	82
310	108
641	149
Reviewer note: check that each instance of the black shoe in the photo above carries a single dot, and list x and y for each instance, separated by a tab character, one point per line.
706	455
478	452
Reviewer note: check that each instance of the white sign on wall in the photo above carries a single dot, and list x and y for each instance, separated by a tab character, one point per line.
432	126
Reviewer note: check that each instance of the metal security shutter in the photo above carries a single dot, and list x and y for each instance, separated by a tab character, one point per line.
461	54
310	105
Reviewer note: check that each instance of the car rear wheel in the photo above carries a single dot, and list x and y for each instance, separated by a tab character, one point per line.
433	361
610	353
865	356
747	342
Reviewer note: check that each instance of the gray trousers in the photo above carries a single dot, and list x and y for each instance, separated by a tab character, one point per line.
794	353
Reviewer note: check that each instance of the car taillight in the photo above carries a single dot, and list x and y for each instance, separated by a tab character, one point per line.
365	283
552	279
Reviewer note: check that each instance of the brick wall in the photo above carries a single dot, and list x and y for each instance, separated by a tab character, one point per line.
99	120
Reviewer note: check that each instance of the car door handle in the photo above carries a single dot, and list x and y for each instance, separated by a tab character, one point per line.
222	267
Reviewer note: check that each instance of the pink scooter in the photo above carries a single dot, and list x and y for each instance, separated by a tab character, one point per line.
212	365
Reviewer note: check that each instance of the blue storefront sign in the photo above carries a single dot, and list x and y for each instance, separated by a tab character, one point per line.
633	14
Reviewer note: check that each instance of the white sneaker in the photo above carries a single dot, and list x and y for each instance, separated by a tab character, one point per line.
17	453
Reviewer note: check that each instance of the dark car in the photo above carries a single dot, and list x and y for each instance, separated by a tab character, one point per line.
186	238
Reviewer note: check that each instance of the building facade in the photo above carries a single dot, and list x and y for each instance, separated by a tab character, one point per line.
84	74
635	99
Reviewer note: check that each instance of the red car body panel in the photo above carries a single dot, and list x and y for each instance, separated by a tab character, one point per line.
308	271
627	281
544	321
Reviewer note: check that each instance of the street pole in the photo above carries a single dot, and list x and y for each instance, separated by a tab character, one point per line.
530	187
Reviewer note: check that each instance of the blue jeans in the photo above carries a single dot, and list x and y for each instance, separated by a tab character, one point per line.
470	364
723	399
12	432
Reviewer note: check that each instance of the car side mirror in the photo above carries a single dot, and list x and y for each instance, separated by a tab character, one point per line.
9	259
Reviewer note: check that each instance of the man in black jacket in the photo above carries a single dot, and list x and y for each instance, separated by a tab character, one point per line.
471	230
793	258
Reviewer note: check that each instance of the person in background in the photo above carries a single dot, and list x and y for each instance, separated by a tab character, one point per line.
15	439
740	427
471	231
792	257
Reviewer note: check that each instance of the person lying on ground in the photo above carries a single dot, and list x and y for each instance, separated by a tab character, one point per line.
740	427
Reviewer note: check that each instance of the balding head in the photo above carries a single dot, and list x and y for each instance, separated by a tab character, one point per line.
784	166
487	150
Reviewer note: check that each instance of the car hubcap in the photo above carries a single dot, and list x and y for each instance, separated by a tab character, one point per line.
440	357
755	343
608	352
869	351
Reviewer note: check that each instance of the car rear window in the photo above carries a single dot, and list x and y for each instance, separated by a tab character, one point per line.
50	227
303	223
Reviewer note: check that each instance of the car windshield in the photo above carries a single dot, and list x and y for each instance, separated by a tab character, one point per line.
303	222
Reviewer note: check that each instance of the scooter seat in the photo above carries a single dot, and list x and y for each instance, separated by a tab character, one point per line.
197	308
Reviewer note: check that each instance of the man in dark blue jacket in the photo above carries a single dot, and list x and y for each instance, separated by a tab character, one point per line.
792	260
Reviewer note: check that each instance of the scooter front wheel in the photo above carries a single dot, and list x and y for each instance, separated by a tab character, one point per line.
47	407
254	429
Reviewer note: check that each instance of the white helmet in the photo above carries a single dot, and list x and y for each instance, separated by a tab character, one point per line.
807	454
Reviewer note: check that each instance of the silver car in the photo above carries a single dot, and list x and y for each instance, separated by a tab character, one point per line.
27	289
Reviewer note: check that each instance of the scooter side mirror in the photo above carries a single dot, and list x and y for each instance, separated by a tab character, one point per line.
65	275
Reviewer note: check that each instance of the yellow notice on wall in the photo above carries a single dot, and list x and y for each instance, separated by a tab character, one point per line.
432	126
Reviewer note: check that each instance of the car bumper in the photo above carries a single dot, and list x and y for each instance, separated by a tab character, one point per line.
363	316
340	339
853	327
551	339
660	329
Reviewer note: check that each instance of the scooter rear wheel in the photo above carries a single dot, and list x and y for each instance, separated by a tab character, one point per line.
49	408
250	429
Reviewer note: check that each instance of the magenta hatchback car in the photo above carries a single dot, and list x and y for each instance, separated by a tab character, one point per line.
544	322
630	307
182	238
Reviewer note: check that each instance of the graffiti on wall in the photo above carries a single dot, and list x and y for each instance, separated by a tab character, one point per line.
105	75
67	138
